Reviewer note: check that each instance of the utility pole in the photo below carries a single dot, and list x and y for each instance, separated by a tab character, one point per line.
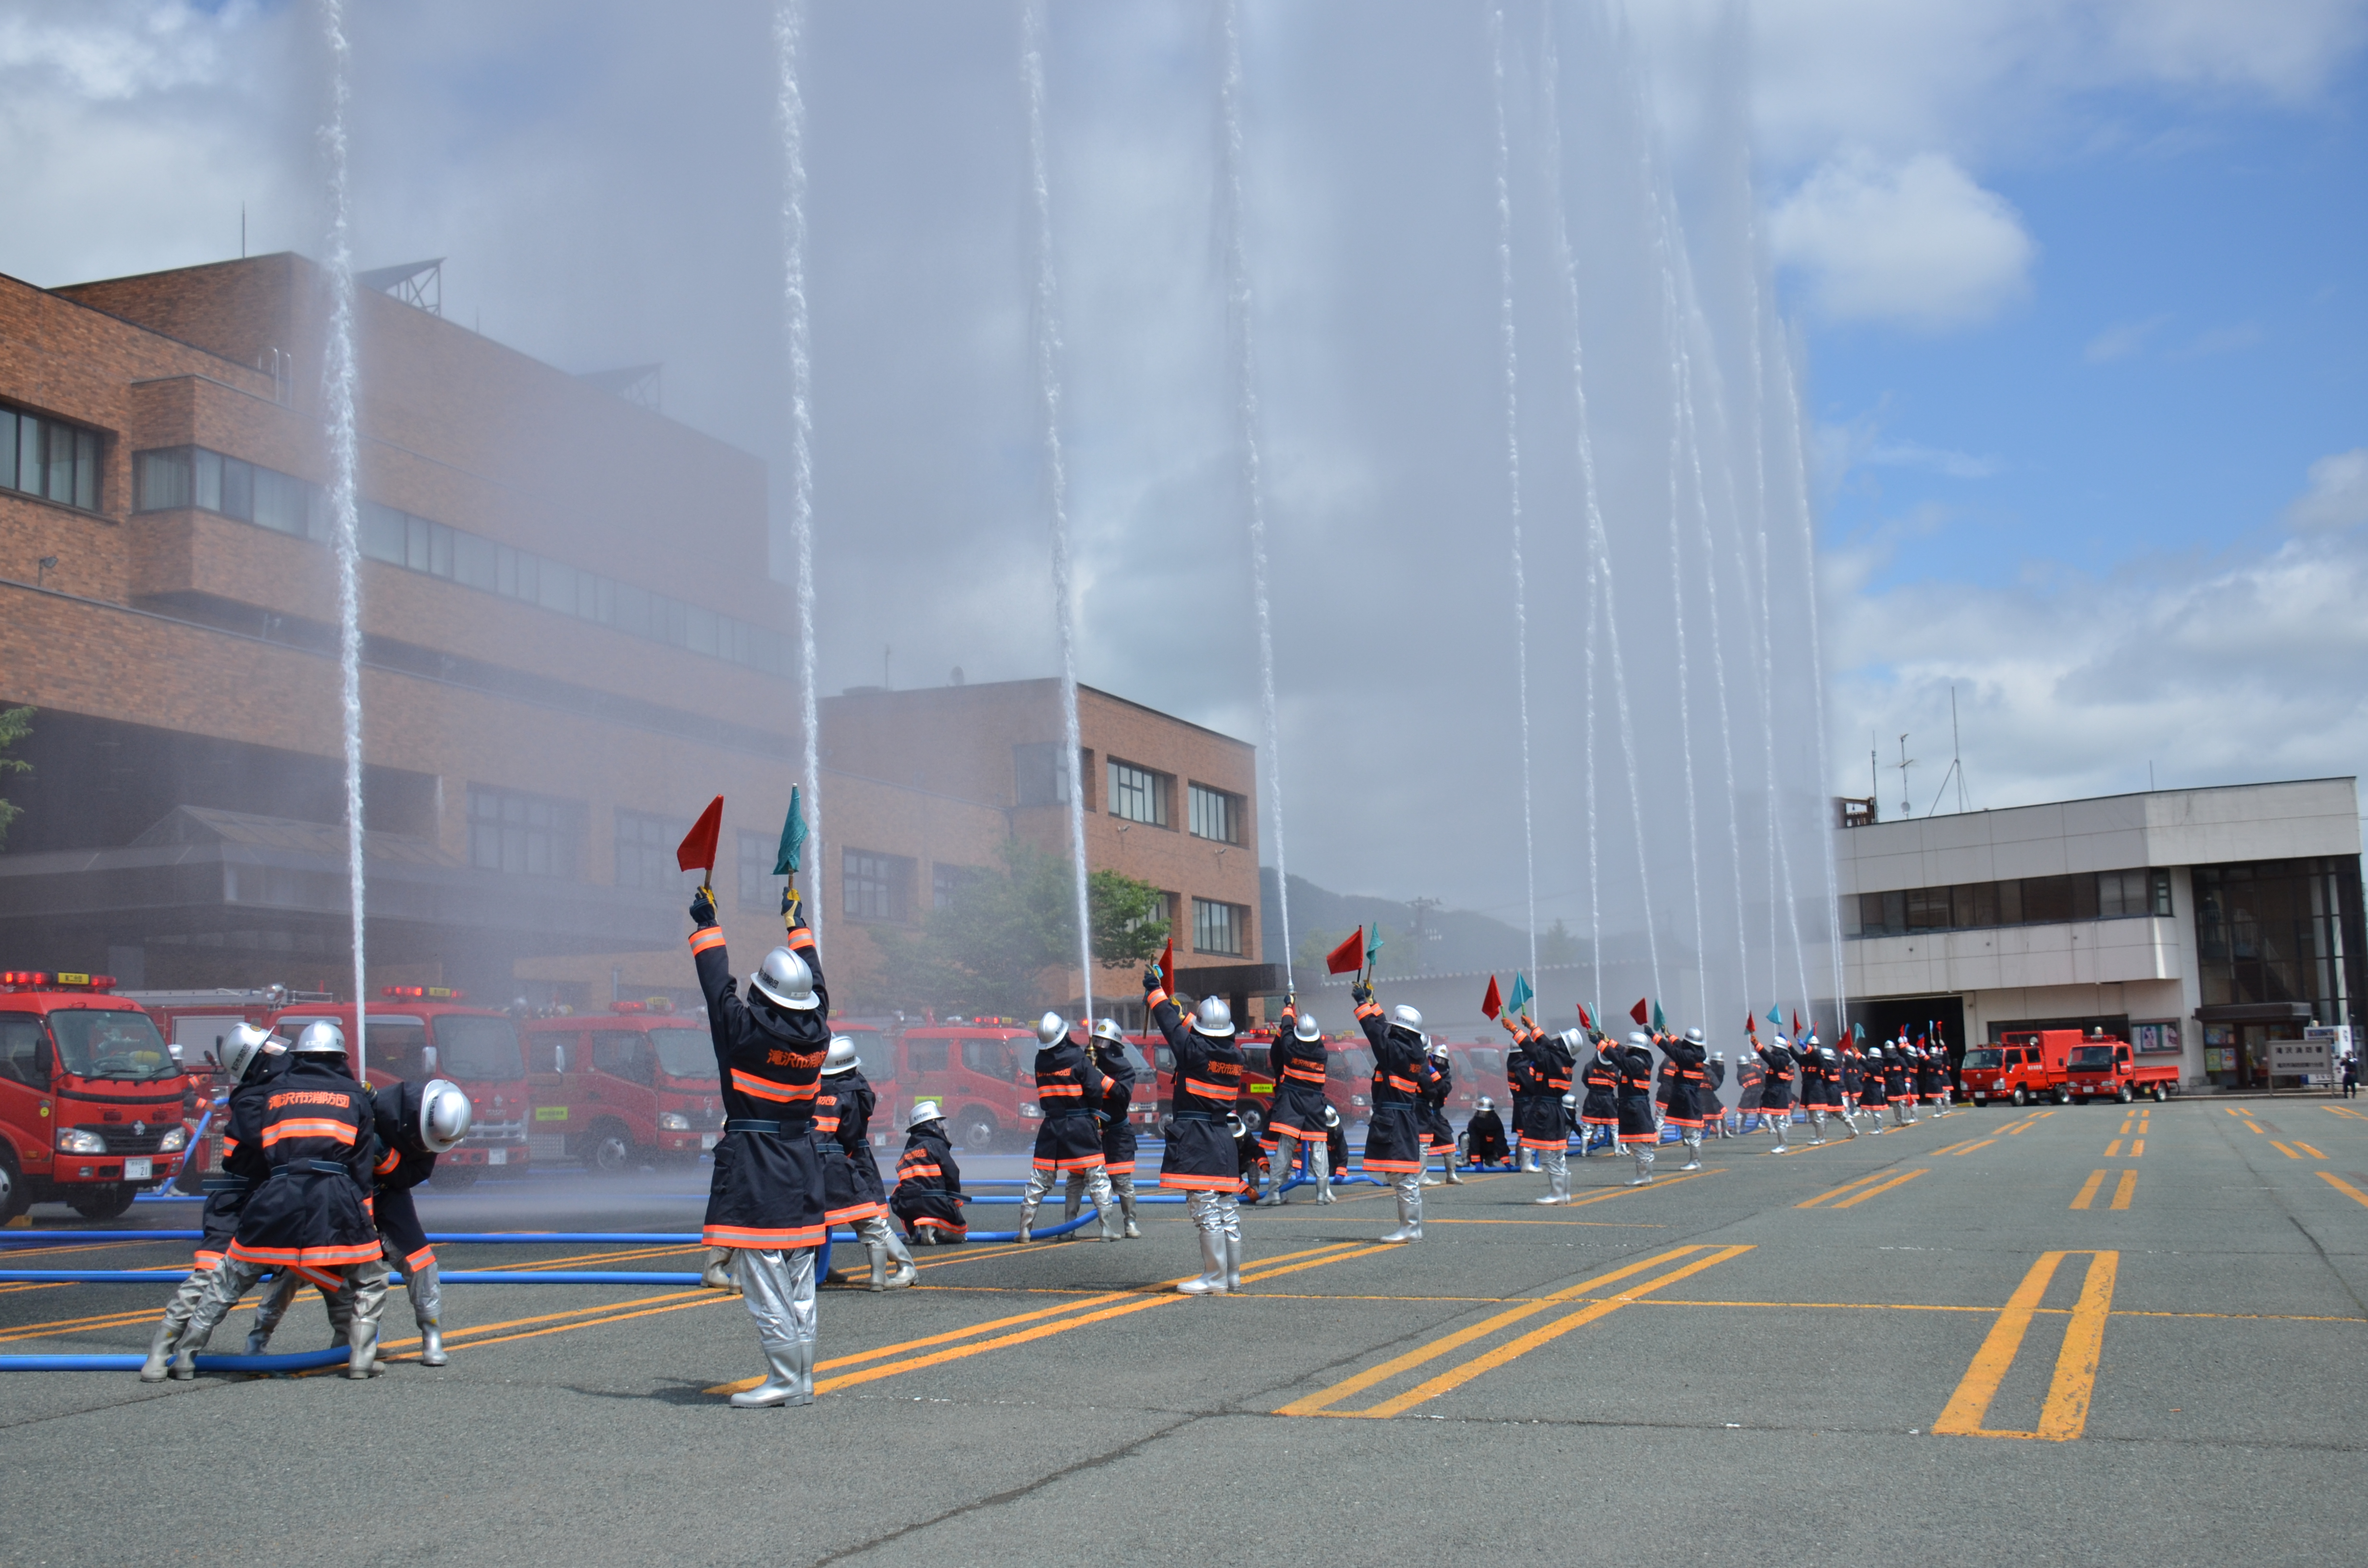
1906	806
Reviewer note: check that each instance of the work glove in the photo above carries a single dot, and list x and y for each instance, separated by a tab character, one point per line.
702	908
1361	993
1150	978
792	909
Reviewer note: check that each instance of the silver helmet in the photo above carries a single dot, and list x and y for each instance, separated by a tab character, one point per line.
924	1111
786	980
1233	1126
1406	1015
1484	1103
1573	1039
1052	1029
1638	1037
1108	1032
841	1059
1694	1037
1213	1017
1438	1049
1306	1031
241	1047
1331	1117
320	1038
445	1114
1570	1102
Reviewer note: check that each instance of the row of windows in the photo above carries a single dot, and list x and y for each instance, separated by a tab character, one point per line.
49	457
2025	901
1135	793
192	476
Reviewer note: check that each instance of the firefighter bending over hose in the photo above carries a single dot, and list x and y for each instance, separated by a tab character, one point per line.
1108	1047
852	1194
1201	1160
1069	1090
766	1200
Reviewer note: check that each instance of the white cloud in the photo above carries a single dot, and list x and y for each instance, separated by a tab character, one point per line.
2221	340
1914	243
2123	340
2338	496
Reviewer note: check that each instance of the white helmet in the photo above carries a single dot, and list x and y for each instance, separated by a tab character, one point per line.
1213	1017
1570	1102
320	1038
1306	1031
1052	1029
786	980
241	1047
1406	1015
1234	1125
445	1114
1438	1048
1108	1031
923	1110
841	1059
1485	1104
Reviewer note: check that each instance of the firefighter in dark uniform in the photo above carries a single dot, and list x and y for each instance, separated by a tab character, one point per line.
1898	1080
1201	1160
1393	1141
1546	1131
1484	1136
1853	1080
1713	1109
1688	1087
1777	1070
852	1191
1520	1086
1335	1144
1438	1132
1069	1090
313	1159
766	1200
1294	1122
1107	1046
928	1196
1598	1113
1750	1076
1824	1070
1932	1078
251	1058
1638	1134
1873	1088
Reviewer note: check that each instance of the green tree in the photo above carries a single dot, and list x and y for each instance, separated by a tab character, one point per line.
1557	946
983	952
15	723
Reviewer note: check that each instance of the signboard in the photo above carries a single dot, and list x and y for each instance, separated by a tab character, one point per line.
2337	1037
2301	1058
2156	1039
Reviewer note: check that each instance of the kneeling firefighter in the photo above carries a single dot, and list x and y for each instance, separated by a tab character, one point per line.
1484	1136
1393	1141
852	1194
928	1197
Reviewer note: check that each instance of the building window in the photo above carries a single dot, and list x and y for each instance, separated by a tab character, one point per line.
1039	779
2027	901
524	835
645	845
1218	927
2161	892
1216	814
193	477
877	887
760	888
49	457
946	882
1138	794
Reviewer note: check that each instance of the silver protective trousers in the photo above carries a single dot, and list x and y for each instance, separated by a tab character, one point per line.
177	1313
780	1289
1408	1187
1209	1212
280	1295
364	1284
1558	1168
1094	1184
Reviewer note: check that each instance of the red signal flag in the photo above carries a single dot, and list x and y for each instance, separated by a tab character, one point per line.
696	851
1641	1011
1168	964
1491	1003
1584	1022
1348	957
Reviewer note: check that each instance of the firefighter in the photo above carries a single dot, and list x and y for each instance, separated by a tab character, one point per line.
1598	1113
1295	1120
766	1200
1832	1100
1750	1077
1873	1093
1638	1133
1931	1079
1484	1136
928	1197
1201	1160
1393	1140
1547	1132
1069	1090
312	1158
1250	1160
1689	1086
1108	1047
1853	1081
1336	1146
852	1190
1522	1085
1438	1132
1899	1080
1777	1070
251	1058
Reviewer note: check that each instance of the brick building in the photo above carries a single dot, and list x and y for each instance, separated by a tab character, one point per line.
571	640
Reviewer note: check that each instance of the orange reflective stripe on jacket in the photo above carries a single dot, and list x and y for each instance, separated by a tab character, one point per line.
307	1127
1211	1091
766	1089
706	937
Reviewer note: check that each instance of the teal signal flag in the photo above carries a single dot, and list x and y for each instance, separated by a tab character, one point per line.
1776	1020
1521	993
793	839
1660	1023
1373	947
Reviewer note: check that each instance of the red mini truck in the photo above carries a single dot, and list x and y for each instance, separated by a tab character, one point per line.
90	1096
2025	1067
418	1032
2100	1067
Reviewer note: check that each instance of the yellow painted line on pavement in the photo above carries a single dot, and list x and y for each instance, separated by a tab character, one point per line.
2344	1187
2124	1189
2345	1110
1318	1403
2294	1151
1827	1197
2137	1148
2306	1148
2113	1149
1970	1148
1879	1191
1960	1148
1612	1224
2087	1193
1609	1194
2064	1415
2259	1129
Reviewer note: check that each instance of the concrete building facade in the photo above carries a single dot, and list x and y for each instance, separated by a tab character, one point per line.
2198	924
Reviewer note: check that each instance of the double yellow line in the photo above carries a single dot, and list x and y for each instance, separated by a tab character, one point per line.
2064	1415
1321	1402
1866	1186
2124	1190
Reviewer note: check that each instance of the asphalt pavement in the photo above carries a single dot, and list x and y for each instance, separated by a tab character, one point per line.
2074	1335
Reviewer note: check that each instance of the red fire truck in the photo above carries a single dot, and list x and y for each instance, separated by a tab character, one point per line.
981	1073
418	1032
90	1096
195	1024
2025	1066
2099	1067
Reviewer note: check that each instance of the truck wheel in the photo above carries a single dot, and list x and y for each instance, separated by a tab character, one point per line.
2158	1096
15	1196
2063	1096
975	1130
1253	1119
105	1202
610	1151
452	1178
2020	1099
2126	1095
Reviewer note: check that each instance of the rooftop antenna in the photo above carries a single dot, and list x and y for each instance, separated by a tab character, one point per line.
1907	807
1956	761
885	684
241	230
1874	772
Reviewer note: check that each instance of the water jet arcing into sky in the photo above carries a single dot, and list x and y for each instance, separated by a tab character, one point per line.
789	25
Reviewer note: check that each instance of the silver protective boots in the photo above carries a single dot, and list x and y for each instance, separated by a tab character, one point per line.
424	1285
232	1279
1557	1169
1644	1153
1320	1157
717	1273
1229	1217
1777	1124
1849	1118
1693	1141
1123	1185
1278	1171
178	1314
1408	1187
884	1247
1209	1225
779	1290
1816	1126
1040	1183
1455	1172
366	1282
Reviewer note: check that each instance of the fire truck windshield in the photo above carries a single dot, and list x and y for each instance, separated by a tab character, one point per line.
1989	1058
991	1059
2092	1058
95	1043
685	1054
1357	1059
477	1049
